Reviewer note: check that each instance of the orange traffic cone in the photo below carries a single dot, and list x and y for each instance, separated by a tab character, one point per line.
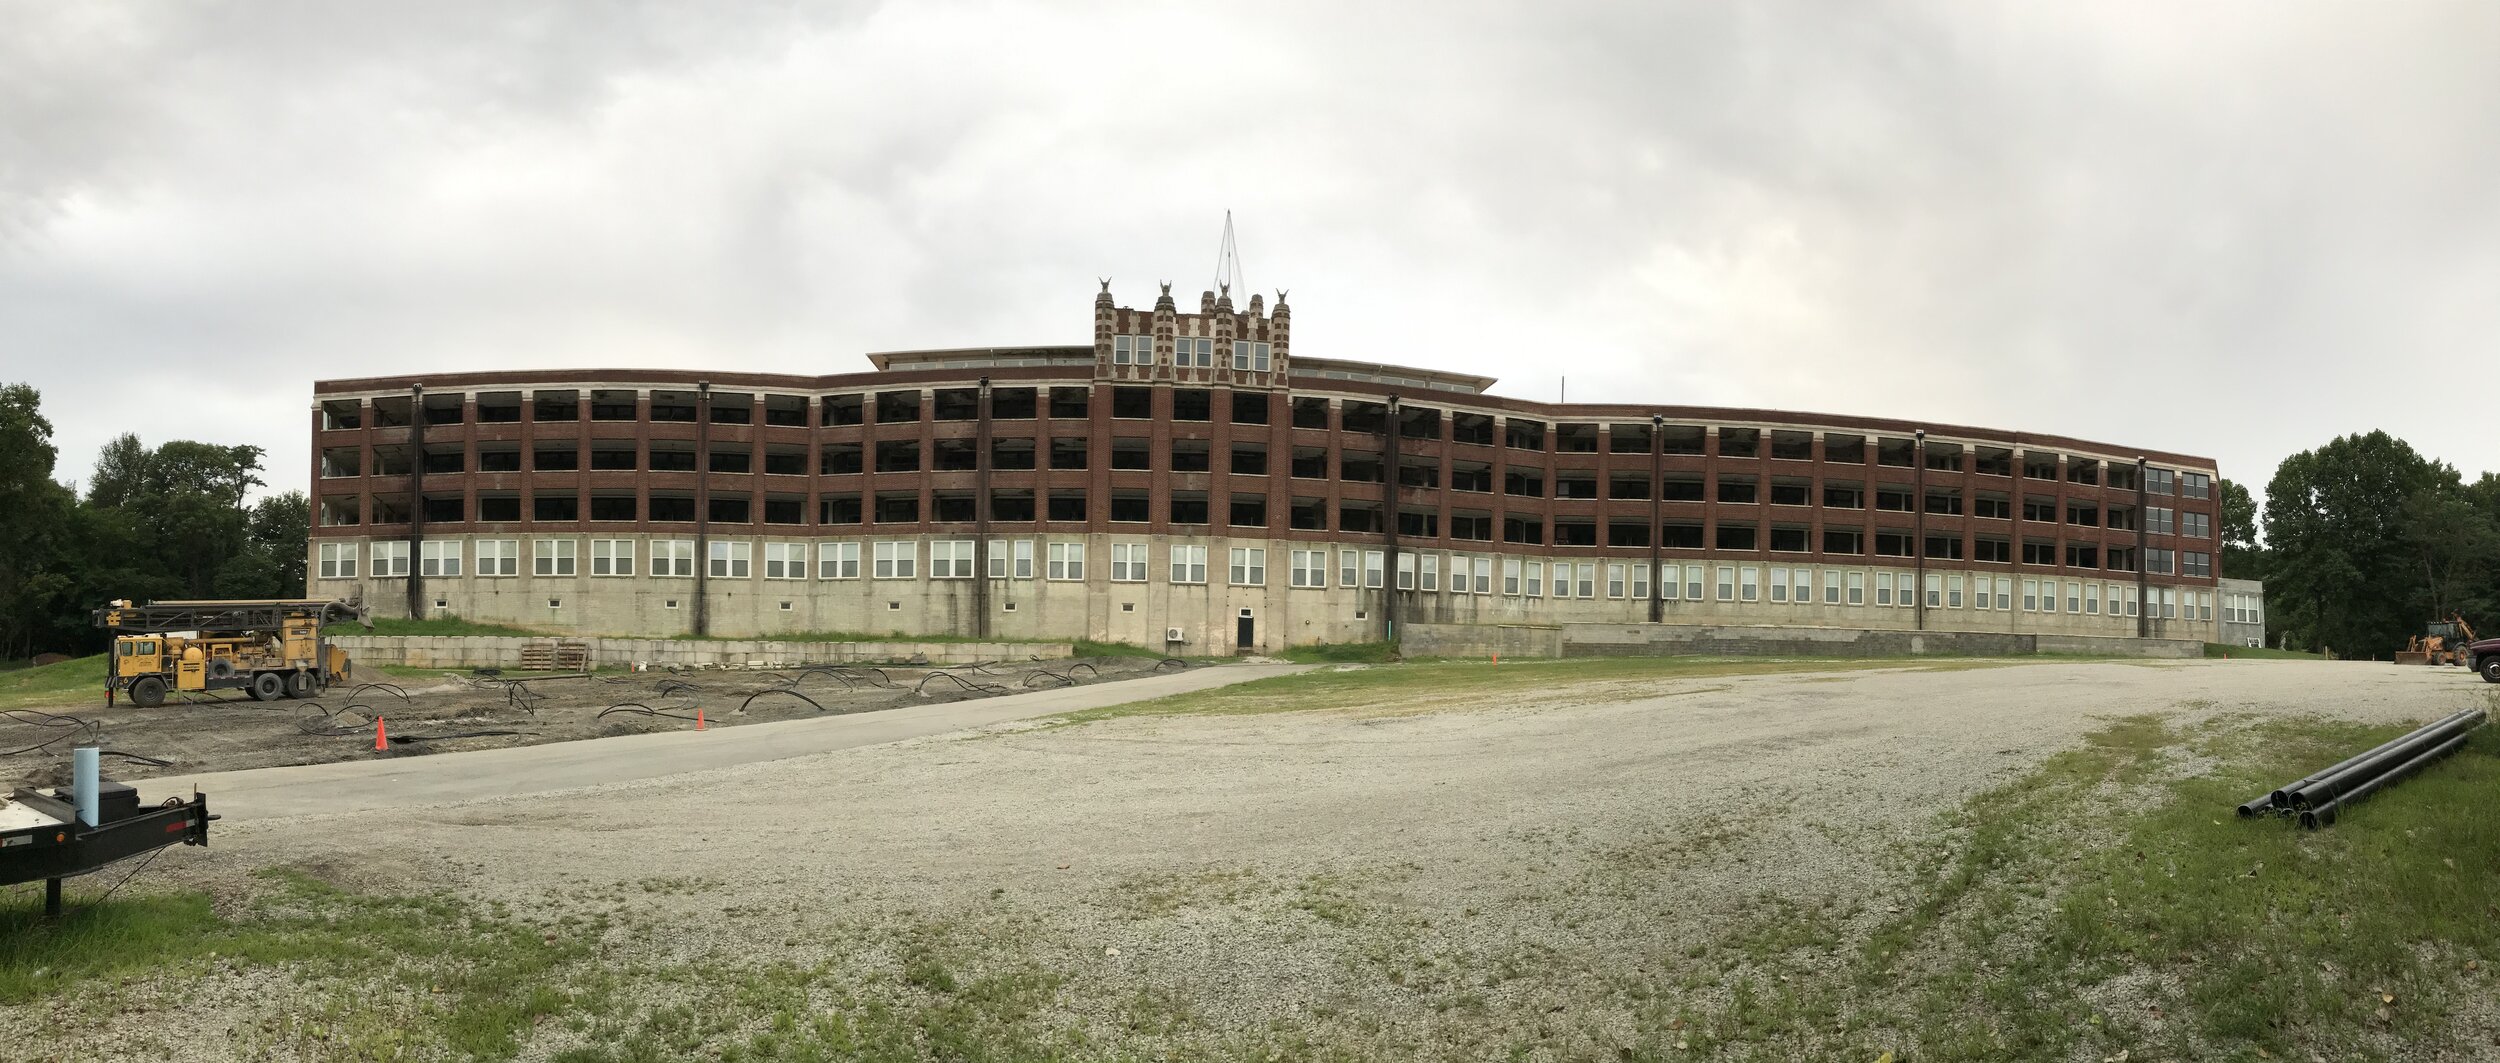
1497	660
698	717
381	741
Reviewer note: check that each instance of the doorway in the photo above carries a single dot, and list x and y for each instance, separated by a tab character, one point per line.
1245	632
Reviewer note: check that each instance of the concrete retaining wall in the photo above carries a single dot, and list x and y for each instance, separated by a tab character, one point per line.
439	651
1667	640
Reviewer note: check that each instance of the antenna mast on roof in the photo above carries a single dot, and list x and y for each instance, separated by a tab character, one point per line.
1227	258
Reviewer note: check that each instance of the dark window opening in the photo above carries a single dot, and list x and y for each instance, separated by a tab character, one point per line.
785	411
898	508
1738	536
444	510
1899	453
1791	493
1848	541
785	511
1249	407
613	459
955	404
1622	486
1739	489
1012	506
733	409
1193	404
2083	555
1944	457
954	455
1740	442
1999	551
2039	466
1071	403
1944	547
555	406
1471	476
494	509
1788	540
1575	485
1792	446
1132	454
1471	428
1683	489
1358	467
1067	505
1528	530
953	507
674	509
1011	404
2038	552
1472	527
732	461
1575	533
445	461
1421	524
510	460
839	458
1190	455
1893	499
1130	507
1627	533
897	406
1949	502
1526	483
1067	452
785	463
898	455
1364	418
1680	536
1844	496
1249	459
1011	455
1358	517
839	509
1892	544
844	409
1627	438
1992	461
1419	474
1308	514
732	510
1133	403
1249	511
1520	434
1310	463
1420	422
1575	438
1310	413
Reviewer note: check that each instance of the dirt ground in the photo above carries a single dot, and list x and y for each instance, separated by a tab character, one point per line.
458	710
1435	885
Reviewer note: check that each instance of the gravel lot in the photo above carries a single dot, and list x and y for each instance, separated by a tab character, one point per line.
1407	884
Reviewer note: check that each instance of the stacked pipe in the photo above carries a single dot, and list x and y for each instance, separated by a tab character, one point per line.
2317	798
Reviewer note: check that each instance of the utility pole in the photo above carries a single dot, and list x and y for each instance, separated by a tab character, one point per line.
416	500
1657	515
1389	574
2143	553
702	507
1918	519
981	517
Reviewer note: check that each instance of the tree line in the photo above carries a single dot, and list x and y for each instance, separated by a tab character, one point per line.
175	521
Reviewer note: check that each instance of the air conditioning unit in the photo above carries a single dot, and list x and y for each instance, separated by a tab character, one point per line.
1173	634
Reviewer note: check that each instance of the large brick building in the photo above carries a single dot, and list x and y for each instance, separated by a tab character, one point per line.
1186	478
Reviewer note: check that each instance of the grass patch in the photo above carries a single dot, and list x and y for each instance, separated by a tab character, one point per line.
1341	653
2258	653
53	684
1091	648
442	625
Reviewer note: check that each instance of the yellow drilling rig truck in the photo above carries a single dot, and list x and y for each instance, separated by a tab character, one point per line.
271	649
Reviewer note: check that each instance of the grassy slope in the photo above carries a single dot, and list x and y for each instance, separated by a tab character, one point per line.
2258	653
54	684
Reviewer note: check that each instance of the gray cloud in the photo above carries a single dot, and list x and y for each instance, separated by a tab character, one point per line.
2234	230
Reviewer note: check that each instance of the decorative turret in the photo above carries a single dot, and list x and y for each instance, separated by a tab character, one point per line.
1105	317
1280	331
1166	316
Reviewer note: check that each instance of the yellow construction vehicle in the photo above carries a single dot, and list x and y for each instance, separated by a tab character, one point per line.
271	649
2441	642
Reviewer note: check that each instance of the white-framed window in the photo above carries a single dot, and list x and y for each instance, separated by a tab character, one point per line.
498	557
1011	559
1532	580
1979	592
2091	599
1857	588
2204	605
669	557
894	560
1249	566
1511	569
1406	571
1670	582
1640	582
1196	351
1128	562
611	557
785	560
338	560
2159	521
1692	583
2074	597
1482	567
1132	350
837	560
1952	591
1373	562
1935	591
1432	572
2005	593
2170	603
733	559
950	558
2196	525
1349	568
1458	574
1065	561
1727	583
1562	579
1189	564
2195	485
1748	583
1831	586
2157	481
1779	583
1801	586
1249	356
553	557
1310	568
440	557
388	559
1883	588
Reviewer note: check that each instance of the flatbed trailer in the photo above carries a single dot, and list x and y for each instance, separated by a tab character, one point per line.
41	836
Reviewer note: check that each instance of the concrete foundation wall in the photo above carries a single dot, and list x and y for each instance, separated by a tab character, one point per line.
1668	640
438	651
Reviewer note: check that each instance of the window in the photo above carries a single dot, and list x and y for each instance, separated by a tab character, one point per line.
611	557
2159	521
669	557
1310	568
2074	597
1953	592
1935	591
1064	561
439	557
1128	562
389	559
1779	584
1011	559
2091	599
1432	573
2005	592
1132	350
1194	351
732	559
338	561
2157	561
2191	563
1992	506
2196	525
2195	485
2170	603
950	559
1372	568
1532	579
1349	568
837	560
1510	576
1615	579
1249	356
2031	596
1189	564
1727	583
1692	583
1748	583
1640	582
2157	481
552	557
1588	579
1249	563
895	560
1883	588
785	560
1857	588
1979	592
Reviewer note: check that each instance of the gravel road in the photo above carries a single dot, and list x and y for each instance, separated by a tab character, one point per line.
1264	870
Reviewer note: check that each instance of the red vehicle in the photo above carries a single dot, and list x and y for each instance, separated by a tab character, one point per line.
2485	653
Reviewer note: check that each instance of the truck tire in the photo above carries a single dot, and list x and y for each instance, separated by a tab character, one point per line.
301	685
268	686
219	668
2490	667
147	692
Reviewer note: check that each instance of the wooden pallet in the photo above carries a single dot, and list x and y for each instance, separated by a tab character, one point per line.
555	657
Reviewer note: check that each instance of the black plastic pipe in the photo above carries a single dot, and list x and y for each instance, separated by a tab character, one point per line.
2282	796
2262	805
2324	815
2349	779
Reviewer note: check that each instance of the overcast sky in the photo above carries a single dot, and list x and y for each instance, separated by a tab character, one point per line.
2235	230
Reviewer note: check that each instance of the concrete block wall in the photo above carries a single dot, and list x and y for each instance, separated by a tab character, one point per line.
472	651
1667	640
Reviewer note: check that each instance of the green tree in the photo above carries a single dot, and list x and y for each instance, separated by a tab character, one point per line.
2242	555
33	524
2347	571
